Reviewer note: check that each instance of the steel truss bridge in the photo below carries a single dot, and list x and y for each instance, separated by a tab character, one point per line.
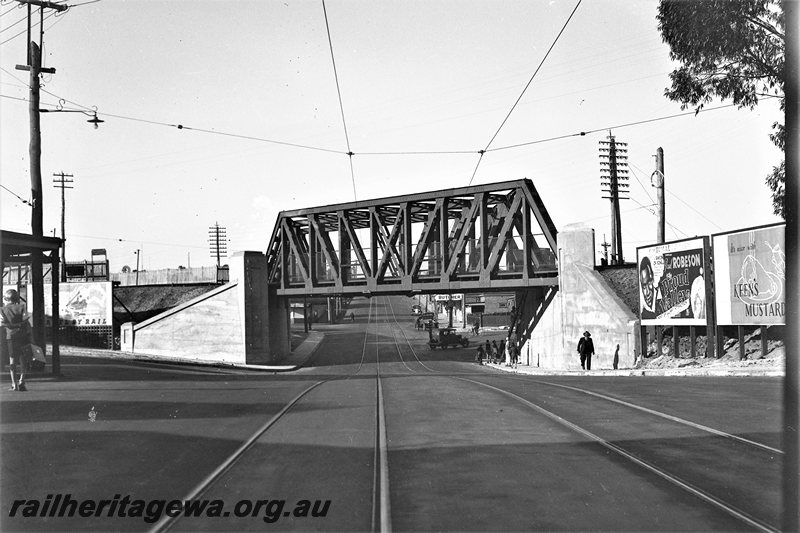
496	236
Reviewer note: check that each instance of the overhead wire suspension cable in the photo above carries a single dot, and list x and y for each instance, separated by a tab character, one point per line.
350	153
519	98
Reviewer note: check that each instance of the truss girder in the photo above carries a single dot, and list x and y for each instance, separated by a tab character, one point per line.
493	236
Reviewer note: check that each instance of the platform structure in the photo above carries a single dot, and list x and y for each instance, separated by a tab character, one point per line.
496	236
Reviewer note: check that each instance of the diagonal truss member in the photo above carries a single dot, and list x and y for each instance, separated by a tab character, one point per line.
493	236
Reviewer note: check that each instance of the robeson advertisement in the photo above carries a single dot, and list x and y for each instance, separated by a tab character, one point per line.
672	283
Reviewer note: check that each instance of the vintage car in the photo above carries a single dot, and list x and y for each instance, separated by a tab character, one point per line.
446	337
426	321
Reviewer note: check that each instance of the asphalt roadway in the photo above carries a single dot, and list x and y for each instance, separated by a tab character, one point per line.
378	432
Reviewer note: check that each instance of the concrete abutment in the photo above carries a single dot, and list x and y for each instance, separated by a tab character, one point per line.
240	322
553	322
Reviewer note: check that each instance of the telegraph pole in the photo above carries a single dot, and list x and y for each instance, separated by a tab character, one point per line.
217	241
657	180
34	67
605	247
62	182
614	175
137	266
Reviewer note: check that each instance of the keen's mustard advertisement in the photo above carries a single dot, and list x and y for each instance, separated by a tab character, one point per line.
750	276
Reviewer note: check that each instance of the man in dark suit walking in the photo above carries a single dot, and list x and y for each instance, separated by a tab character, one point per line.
586	350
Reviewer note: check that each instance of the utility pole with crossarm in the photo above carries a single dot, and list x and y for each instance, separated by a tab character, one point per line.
34	67
63	181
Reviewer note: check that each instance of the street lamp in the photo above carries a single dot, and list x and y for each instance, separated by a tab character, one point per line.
94	121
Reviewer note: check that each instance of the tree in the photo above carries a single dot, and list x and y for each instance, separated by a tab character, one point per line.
728	49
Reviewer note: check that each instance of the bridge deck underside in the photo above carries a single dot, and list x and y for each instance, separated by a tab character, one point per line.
488	237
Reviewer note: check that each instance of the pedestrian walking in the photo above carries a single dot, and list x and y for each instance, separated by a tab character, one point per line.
479	356
495	352
14	318
586	350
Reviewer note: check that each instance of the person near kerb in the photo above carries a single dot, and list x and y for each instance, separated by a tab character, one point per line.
586	350
495	352
648	288
14	318
479	356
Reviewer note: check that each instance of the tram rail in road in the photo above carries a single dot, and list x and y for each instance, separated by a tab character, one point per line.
385	434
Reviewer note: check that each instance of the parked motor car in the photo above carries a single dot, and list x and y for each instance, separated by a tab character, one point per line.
426	321
416	309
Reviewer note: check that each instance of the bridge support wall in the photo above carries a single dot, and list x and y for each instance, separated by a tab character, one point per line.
584	302
241	322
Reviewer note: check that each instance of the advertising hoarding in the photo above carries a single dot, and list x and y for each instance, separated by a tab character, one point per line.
750	276
82	304
672	283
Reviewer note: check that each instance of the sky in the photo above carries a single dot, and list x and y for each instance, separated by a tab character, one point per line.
253	83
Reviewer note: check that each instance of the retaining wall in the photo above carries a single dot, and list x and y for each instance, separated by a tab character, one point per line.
584	302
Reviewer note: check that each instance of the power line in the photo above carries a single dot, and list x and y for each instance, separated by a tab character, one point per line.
496	133
23	19
635	175
17	6
21	199
341	105
117	239
380	153
693	209
564	27
423	152
605	128
684	202
23	32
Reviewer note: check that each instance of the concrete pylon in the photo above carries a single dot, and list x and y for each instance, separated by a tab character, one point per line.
263	316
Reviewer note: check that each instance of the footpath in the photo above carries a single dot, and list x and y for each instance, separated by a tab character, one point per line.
773	365
293	361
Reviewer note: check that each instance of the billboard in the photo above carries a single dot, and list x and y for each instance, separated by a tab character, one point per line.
750	276
81	304
672	283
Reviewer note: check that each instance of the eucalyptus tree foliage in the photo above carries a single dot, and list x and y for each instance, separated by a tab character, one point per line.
728	49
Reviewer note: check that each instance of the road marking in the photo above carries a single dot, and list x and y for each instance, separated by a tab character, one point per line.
669	417
731	510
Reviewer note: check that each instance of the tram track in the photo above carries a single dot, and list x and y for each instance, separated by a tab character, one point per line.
381	508
746	517
389	357
730	509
